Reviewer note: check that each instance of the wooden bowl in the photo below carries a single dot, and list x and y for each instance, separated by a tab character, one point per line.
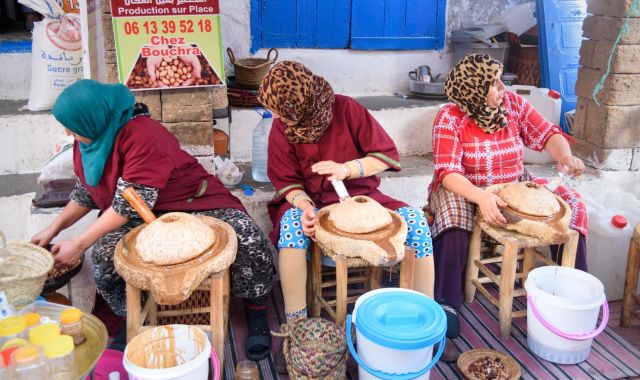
466	358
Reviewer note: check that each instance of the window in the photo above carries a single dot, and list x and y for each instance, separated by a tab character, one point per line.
343	24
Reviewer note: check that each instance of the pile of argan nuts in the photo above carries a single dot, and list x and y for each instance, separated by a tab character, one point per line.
488	368
172	72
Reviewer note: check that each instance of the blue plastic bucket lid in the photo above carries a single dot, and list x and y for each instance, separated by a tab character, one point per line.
401	320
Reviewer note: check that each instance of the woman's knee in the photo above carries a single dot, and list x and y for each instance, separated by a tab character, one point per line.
418	234
291	235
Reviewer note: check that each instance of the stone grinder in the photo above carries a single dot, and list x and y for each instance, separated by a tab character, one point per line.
533	210
172	283
359	227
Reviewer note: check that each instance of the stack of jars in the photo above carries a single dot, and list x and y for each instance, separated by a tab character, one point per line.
32	347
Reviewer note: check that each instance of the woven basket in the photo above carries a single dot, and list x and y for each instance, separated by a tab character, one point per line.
35	262
314	348
251	71
465	360
240	95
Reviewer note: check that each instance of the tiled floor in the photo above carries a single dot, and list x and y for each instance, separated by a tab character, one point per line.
631	333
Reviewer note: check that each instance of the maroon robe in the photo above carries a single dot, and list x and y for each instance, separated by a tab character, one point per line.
353	133
146	153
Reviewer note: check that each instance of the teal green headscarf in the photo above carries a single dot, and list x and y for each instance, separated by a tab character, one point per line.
97	111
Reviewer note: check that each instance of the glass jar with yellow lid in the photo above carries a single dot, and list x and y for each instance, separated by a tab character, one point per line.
71	324
12	327
44	332
59	353
27	363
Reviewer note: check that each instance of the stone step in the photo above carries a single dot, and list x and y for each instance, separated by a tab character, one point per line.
32	136
15	60
407	121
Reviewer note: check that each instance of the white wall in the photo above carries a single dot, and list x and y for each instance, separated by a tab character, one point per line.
359	72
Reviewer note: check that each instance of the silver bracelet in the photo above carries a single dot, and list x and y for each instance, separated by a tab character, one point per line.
293	200
360	168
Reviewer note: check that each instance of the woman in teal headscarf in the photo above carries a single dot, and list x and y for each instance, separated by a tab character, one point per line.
117	147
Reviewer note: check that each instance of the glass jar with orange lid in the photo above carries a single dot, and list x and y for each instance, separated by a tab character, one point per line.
71	324
27	363
12	327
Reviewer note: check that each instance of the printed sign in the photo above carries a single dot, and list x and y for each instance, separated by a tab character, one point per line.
168	43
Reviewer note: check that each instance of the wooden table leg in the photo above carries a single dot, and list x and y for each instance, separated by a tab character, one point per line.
507	279
133	312
216	316
631	279
527	263
407	269
316	280
375	278
569	250
475	245
341	289
226	297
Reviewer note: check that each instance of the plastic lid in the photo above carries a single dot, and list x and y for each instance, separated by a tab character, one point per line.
41	334
266	114
70	315
12	325
58	346
554	94
6	355
32	319
401	320
26	354
619	221
15	342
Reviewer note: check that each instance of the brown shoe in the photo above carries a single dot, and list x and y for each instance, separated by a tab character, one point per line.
450	353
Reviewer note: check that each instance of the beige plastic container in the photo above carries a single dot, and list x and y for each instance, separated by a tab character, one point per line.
59	353
28	363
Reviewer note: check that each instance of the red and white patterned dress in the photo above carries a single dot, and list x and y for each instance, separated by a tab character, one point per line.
460	146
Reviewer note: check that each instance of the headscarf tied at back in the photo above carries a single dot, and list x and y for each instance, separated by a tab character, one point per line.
467	86
97	111
295	93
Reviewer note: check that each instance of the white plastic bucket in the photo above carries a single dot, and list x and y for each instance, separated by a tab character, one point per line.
396	331
549	105
183	350
563	305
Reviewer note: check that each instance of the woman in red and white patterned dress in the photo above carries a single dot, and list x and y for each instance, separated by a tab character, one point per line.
478	141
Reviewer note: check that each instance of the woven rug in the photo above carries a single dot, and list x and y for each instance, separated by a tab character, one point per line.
611	356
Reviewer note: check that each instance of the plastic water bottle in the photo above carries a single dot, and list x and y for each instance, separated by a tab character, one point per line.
260	146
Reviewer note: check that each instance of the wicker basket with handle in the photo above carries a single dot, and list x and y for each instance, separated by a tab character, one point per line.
30	266
251	71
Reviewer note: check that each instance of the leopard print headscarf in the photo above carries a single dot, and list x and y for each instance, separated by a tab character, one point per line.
467	86
295	93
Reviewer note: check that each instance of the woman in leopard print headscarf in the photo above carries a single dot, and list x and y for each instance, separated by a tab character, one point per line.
296	94
478	141
467	87
318	137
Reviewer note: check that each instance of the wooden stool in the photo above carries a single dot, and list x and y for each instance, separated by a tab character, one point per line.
513	242
348	271
141	318
630	300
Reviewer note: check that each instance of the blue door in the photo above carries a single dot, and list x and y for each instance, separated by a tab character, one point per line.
560	36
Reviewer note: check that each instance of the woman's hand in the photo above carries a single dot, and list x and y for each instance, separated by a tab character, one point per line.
333	169
68	252
44	237
572	165
490	207
308	221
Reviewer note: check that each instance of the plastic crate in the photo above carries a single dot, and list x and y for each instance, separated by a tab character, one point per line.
499	52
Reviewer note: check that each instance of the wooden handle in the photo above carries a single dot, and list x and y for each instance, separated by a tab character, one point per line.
131	195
